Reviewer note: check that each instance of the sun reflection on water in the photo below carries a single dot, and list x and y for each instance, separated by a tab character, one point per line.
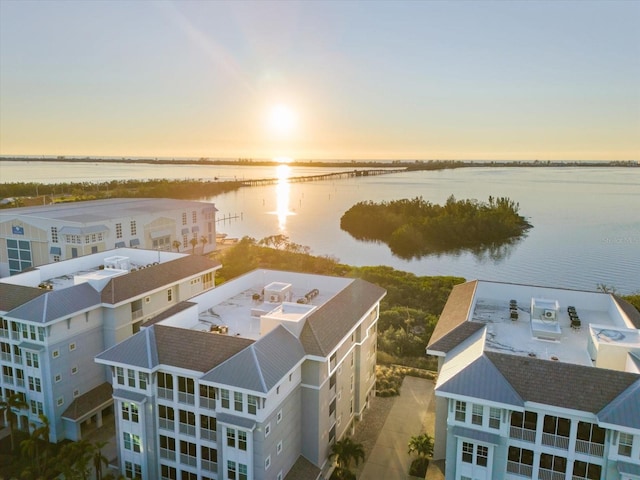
283	190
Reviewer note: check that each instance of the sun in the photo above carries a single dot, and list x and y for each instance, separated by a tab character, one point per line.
282	119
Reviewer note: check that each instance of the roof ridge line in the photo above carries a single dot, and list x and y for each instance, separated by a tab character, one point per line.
255	358
44	307
148	341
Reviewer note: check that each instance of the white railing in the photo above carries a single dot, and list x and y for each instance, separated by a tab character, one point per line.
166	424
208	403
520	469
188	398
136	314
207	434
523	434
545	474
209	465
188	429
166	393
556	441
188	460
168	454
590	448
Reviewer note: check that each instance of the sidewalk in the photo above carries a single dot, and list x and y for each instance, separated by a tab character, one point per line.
412	414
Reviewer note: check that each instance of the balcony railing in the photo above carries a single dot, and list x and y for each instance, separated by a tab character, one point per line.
5	356
166	393
4	332
208	403
590	448
166	424
188	398
207	434
209	466
520	469
168	454
188	429
188	460
136	314
545	474
523	434
556	441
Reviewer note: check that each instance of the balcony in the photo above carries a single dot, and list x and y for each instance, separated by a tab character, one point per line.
209	435
186	398
590	448
166	393
165	424
187	429
208	403
209	466
520	469
545	474
168	454
523	434
136	314
556	441
188	460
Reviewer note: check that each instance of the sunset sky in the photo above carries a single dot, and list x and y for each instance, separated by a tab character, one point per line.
556	80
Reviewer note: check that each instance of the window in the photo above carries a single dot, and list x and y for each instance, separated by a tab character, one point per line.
36	407
120	375
60	401
32	360
482	454
132	470
237	401
19	254
169	294
194	216
74	370
467	452
231	470
55	353
224	398
118	230
131	442
208	427
552	463
166	416
231	438
129	411
252	404
143	378
556	431
167	447
57	378
131	375
184	218
520	461
134	230
186	390
54	234
523	426
168	473
279	416
476	414
625	444
242	440
494	417
165	385
279	447
187	422
267	430
188	453
34	384
587	471
242	472
207	397
209	458
461	411
267	462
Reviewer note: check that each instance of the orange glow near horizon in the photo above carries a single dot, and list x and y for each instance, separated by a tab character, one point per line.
283	190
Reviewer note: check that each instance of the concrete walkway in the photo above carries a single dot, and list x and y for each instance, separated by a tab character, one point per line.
413	413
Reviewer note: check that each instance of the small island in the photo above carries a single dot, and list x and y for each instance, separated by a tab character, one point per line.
414	228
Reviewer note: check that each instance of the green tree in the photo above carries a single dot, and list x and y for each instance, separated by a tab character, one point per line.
8	406
422	445
193	242
99	459
74	460
176	244
36	447
203	241
344	452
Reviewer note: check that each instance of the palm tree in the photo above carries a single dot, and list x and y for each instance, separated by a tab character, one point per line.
74	460
99	459
422	445
193	242
344	451
31	447
8	405
203	241
176	244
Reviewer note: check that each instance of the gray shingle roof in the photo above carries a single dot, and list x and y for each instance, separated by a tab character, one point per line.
133	284
329	324
12	296
262	365
177	347
89	401
452	326
565	385
57	304
303	469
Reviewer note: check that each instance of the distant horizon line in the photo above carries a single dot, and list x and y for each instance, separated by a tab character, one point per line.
249	160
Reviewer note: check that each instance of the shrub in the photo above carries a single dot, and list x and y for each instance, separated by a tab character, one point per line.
419	467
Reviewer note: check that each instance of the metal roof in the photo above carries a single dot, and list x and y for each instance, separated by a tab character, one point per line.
229	419
473	434
262	365
624	410
57	304
454	314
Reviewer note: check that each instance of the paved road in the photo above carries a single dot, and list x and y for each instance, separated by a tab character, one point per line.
412	413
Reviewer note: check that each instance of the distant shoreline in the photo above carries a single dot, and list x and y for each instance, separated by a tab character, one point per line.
408	164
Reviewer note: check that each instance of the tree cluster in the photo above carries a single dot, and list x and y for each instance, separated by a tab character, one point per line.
416	227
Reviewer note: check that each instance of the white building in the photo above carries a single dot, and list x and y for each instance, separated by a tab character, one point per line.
54	319
33	236
537	383
255	379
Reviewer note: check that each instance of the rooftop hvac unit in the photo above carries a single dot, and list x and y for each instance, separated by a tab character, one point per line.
549	315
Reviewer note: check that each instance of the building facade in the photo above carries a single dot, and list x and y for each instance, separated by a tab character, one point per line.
255	379
54	319
537	383
33	236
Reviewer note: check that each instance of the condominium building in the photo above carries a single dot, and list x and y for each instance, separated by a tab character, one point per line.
255	379
33	236
537	383
54	319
